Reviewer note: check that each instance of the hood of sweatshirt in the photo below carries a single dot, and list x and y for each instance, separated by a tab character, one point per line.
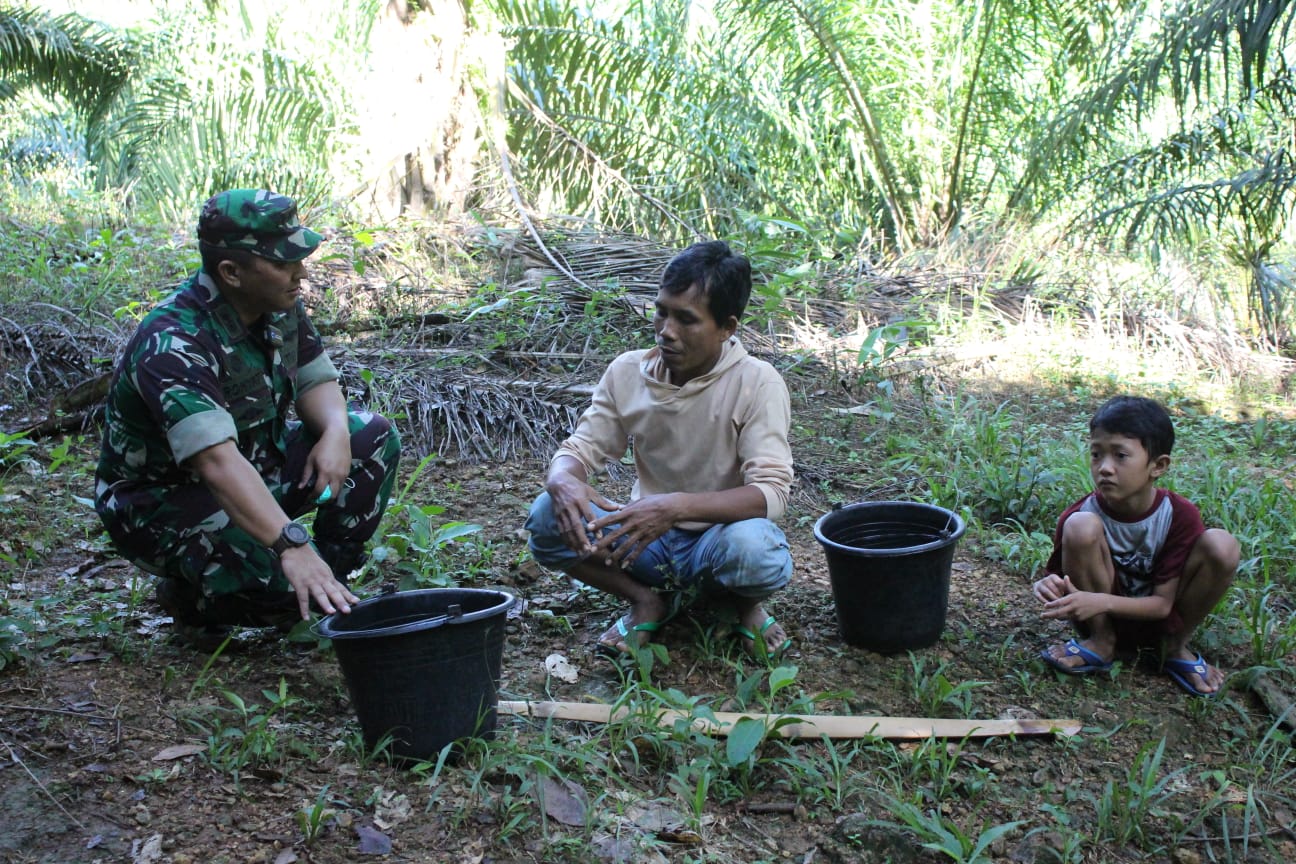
657	377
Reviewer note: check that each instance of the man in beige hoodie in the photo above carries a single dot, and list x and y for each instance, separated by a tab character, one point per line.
708	426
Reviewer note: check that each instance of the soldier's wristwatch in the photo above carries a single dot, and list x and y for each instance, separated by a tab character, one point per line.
293	534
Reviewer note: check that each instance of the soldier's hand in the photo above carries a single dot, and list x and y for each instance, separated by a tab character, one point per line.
328	465
312	579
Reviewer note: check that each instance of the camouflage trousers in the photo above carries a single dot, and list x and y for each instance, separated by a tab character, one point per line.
181	534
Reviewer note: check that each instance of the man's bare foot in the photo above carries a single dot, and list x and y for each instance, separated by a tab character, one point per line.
643	619
1077	656
1192	673
753	622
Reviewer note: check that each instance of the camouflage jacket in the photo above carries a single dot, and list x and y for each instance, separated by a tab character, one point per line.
194	376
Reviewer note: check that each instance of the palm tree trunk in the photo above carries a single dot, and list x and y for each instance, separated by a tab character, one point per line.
953	199
422	128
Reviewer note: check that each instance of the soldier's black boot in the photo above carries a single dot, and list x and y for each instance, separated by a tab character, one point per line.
179	599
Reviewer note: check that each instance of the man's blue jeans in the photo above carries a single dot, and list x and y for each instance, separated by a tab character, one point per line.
749	558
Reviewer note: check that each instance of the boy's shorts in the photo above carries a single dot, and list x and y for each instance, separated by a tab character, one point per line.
749	558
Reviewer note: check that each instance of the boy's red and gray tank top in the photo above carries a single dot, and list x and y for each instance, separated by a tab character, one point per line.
1135	545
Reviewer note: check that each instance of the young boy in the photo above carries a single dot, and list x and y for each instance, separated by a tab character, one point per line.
1132	563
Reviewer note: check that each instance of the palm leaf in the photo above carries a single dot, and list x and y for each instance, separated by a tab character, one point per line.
248	115
1134	76
67	55
825	30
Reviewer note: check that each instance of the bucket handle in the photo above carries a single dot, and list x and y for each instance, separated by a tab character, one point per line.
453	612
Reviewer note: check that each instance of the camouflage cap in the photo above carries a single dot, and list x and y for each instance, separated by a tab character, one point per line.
257	221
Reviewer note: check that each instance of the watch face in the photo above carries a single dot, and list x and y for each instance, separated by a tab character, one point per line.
295	534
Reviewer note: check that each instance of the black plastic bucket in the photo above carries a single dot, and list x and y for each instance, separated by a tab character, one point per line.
422	666
889	564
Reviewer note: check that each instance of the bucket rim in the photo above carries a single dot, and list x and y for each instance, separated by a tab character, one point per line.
324	627
864	552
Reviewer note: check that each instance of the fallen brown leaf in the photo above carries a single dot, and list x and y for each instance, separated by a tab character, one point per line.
179	751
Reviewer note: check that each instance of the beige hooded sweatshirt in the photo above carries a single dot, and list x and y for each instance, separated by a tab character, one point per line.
725	429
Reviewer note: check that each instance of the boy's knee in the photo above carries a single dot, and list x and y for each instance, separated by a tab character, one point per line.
756	559
1083	529
1220	552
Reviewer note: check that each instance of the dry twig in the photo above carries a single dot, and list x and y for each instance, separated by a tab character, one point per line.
13	755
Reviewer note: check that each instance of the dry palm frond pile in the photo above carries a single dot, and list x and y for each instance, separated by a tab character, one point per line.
50	358
504	371
510	377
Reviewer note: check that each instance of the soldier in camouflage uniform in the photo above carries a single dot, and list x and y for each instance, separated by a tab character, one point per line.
202	475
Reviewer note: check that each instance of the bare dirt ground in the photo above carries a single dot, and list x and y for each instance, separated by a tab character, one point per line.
103	759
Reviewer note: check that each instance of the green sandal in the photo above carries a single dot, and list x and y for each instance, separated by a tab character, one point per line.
758	648
613	650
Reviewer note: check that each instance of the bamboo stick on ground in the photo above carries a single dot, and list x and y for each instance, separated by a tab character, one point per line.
808	725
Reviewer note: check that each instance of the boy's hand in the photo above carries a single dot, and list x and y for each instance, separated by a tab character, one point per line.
1077	605
1051	587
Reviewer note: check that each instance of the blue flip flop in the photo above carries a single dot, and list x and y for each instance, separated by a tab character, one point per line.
1179	669
1092	662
